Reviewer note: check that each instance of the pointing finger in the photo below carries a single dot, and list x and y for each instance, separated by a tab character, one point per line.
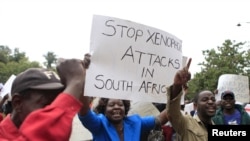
189	63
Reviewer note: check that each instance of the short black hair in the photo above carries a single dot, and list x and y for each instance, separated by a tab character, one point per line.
101	106
196	96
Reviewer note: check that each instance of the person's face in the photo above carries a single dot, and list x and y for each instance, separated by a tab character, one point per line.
34	100
206	106
115	110
227	102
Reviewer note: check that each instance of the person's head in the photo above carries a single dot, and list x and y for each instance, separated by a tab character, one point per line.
227	100
114	109
33	89
205	104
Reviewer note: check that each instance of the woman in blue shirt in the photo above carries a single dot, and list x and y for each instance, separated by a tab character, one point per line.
109	121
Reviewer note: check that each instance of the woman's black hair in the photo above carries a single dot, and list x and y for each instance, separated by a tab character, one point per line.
101	106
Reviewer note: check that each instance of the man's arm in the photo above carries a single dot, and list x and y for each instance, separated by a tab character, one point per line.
174	93
72	73
161	119
180	80
55	120
85	108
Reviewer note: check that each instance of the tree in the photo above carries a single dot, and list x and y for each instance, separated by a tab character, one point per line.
5	51
230	58
13	63
50	59
18	56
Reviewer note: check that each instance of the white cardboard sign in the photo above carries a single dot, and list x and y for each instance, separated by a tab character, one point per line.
237	84
131	61
7	86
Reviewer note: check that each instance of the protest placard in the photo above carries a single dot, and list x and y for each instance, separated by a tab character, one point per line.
131	61
7	86
143	109
236	83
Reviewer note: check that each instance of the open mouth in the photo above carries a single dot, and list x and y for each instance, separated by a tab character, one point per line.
211	109
116	113
228	105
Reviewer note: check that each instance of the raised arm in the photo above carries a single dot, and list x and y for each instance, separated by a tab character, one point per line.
161	119
72	73
174	93
180	80
84	99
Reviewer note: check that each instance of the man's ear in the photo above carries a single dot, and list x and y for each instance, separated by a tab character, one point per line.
16	102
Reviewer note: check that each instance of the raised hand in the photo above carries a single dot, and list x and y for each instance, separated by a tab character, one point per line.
180	80
72	73
183	75
86	60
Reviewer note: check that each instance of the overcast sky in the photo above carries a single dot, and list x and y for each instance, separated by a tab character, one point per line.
63	26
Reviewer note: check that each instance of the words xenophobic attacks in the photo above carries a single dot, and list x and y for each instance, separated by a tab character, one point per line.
228	132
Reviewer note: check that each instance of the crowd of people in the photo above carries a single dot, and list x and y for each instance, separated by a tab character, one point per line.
44	103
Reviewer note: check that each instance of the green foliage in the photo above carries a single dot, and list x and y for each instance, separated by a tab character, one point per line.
4	53
13	63
17	56
230	58
51	59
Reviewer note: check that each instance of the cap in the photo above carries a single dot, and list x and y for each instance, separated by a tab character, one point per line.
36	78
227	93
